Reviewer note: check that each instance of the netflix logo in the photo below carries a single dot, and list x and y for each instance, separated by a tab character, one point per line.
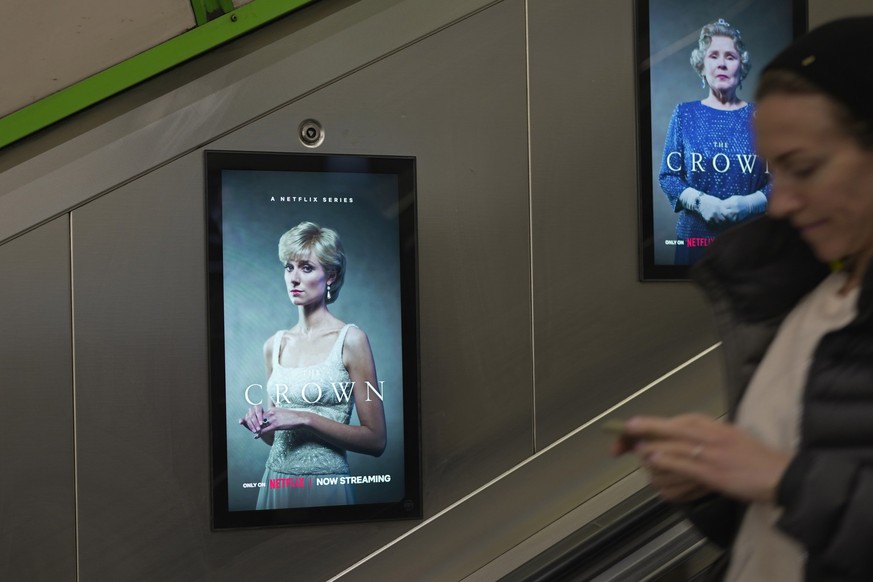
697	241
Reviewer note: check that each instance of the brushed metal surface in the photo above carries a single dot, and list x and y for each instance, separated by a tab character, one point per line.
86	38
140	311
499	519
95	151
143	462
37	498
599	332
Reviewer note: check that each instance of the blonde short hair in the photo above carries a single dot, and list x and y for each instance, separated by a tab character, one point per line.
308	238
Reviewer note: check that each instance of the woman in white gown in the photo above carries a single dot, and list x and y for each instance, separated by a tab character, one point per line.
318	371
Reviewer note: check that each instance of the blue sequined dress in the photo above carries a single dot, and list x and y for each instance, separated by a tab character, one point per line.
713	151
302	470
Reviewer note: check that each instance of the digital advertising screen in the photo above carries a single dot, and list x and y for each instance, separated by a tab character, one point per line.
698	65
313	338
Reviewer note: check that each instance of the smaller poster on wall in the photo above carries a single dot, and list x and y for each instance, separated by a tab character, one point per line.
698	65
313	338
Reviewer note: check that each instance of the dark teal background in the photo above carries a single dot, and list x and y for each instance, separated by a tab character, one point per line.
256	304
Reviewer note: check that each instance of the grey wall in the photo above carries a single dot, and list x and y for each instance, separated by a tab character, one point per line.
55	44
36	420
523	127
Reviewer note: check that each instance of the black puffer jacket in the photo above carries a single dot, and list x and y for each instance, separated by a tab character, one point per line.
754	275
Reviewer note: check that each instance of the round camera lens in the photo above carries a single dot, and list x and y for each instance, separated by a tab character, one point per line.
310	133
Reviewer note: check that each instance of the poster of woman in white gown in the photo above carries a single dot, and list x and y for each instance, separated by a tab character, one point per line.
318	337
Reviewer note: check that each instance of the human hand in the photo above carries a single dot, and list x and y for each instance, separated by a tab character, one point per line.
671	486
692	453
710	209
277	418
735	209
676	487
254	420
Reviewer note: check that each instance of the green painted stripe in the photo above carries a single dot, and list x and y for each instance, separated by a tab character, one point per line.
145	65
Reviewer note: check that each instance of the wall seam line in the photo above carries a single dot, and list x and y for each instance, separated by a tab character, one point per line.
530	229
75	401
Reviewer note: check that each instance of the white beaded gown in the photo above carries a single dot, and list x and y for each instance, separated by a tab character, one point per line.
302	470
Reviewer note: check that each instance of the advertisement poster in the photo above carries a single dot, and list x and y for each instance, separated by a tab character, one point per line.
313	338
699	64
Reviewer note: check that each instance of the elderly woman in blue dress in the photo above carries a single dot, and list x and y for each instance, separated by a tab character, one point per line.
709	170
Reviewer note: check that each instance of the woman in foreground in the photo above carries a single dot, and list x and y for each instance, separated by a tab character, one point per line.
787	483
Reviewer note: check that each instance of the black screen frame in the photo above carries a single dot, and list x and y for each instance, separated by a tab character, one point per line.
404	168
